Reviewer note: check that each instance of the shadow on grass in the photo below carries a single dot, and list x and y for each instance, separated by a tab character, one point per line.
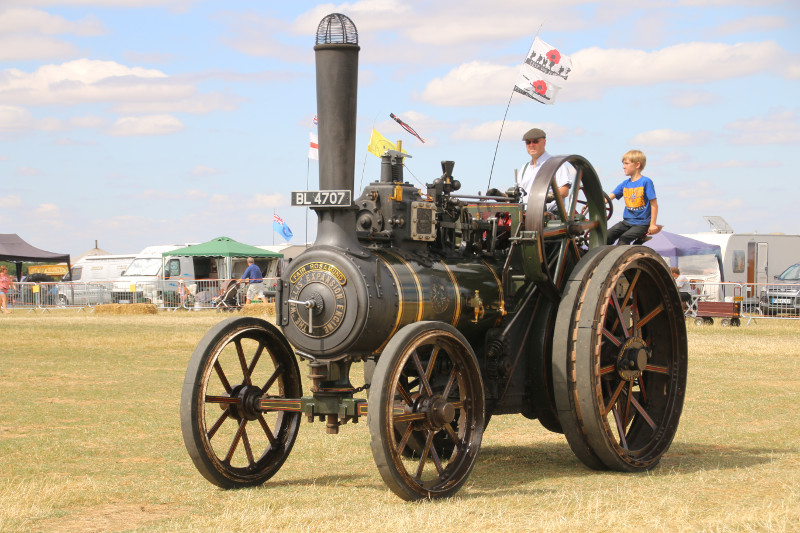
512	469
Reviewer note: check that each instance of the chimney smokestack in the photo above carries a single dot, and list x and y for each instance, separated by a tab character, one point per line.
336	54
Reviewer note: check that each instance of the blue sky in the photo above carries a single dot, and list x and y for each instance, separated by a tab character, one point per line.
142	122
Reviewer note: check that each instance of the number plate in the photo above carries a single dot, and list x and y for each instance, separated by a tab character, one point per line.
781	300
321	198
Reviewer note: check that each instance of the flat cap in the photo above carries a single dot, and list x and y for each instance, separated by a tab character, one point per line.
534	133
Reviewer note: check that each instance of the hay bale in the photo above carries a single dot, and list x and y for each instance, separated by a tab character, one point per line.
258	309
126	309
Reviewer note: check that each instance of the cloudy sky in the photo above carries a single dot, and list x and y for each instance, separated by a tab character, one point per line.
142	122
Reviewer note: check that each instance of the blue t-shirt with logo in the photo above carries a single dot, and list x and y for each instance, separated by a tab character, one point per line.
637	195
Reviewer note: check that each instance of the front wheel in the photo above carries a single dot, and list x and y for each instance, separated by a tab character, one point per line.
426	393
231	441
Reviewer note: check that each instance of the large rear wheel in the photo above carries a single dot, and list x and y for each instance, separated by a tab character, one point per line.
621	360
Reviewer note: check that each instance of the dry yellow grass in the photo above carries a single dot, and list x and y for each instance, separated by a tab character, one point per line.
90	441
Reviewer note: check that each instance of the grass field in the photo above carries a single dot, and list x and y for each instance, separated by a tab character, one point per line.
90	440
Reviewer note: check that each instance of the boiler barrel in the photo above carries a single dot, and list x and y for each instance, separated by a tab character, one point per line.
360	303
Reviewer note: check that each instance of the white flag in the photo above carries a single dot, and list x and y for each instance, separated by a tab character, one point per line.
313	146
543	73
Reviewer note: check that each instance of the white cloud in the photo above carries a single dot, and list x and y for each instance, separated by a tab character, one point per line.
264	201
198	104
86	80
596	70
473	83
780	127
47	210
14	118
22	20
685	99
750	25
29	172
133	90
513	130
668	137
146	125
732	164
10	201
204	170
27	47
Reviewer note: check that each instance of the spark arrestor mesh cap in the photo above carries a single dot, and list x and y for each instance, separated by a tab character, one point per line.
533	134
337	29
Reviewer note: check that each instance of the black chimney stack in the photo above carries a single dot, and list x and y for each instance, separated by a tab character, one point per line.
337	89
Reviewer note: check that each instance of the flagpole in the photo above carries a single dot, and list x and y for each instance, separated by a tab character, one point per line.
273	229
508	106
308	171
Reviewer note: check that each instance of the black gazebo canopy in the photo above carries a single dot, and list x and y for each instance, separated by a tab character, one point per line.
14	249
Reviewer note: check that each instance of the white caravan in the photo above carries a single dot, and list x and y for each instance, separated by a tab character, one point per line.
750	258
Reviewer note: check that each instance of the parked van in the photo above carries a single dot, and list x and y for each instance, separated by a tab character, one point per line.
150	275
91	279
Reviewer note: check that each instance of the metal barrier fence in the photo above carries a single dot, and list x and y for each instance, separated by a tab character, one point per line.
743	301
165	294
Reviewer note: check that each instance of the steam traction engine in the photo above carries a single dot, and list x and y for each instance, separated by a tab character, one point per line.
460	308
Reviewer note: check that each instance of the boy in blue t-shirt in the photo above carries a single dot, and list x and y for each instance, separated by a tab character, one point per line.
641	206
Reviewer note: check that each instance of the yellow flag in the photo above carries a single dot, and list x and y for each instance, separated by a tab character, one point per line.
378	144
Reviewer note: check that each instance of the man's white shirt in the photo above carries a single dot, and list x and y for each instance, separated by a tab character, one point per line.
564	175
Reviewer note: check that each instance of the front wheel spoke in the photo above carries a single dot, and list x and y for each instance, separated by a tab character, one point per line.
405	394
450	381
614	397
267	431
236	440
217	425
223	399
423	380
410	417
425	452
275	375
242	361
254	362
404	439
222	378
432	362
436	461
247	448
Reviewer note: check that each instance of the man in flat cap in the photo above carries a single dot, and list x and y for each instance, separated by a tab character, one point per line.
535	142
